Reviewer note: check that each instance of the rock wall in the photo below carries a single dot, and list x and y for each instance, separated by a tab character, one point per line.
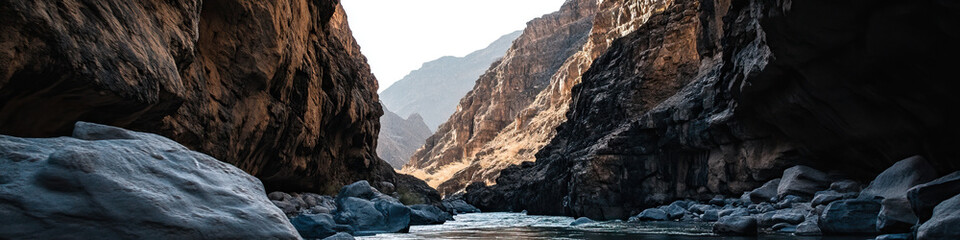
509	86
434	90
717	97
400	137
277	88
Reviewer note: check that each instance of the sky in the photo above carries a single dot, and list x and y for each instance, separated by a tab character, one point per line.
398	36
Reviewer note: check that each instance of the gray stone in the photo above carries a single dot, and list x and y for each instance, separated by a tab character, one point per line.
456	206
802	181
652	214
826	197
784	227
845	186
340	236
851	216
808	229
736	225
899	178
925	197
674	211
895	216
424	214
766	192
316	226
788	201
287	207
362	189
372	217
791	217
279	196
944	221
711	215
717	200
734	212
581	221
898	236
700	208
120	184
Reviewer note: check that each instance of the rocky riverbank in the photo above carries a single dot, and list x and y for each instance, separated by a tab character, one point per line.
906	201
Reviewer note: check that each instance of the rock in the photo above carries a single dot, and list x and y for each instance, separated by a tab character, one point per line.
340	236
788	201
736	225
581	221
317	226
400	137
895	216
653	214
137	186
845	186
718	201
925	197
369	217
944	221
699	208
711	215
387	187
851	216
766	192
790	217
899	178
899	236
361	189
279	196
765	207
674	211
423	214
734	212
826	197
802	181
784	227
808	229
287	207
319	203
456	206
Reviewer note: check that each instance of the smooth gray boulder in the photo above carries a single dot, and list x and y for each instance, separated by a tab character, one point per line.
895	216
898	236
944	223
651	214
736	225
895	181
581	221
674	211
808	228
362	189
369	217
845	186
766	192
317	226
457	206
424	214
802	181
828	196
711	215
340	236
700	208
851	216
925	197
111	183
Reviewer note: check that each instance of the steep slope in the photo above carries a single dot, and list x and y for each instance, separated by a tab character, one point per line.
716	97
277	88
434	90
400	137
508	87
535	125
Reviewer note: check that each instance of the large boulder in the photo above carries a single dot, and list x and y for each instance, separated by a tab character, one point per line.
899	178
895	216
828	196
802	181
456	206
766	192
110	183
736	225
372	216
924	197
851	216
944	222
315	226
424	214
651	214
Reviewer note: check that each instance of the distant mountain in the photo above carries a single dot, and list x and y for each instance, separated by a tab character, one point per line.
434	90
399	137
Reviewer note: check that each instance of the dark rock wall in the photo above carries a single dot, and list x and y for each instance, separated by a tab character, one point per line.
277	88
716	97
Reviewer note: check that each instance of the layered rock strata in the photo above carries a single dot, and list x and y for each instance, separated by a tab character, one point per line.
400	137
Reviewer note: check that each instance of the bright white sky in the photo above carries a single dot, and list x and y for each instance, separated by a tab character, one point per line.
398	36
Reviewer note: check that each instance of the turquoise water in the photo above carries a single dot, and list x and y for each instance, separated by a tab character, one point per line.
522	226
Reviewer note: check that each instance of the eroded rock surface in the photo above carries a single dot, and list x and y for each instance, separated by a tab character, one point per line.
400	137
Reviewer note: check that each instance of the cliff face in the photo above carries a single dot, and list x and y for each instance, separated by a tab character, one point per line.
508	87
277	88
400	137
434	90
716	97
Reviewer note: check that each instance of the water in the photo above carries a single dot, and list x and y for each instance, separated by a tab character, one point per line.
522	226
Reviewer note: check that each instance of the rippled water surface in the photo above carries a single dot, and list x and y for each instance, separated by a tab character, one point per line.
522	226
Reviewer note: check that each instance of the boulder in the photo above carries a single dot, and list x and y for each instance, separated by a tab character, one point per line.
711	215
845	186
788	201
899	178
340	236
734	212
700	208
361	189
828	196
766	192
717	200
424	214
784	227
898	236
895	216
944	221
651	214
788	216
369	217
674	211
457	206
808	228
316	226
581	221
802	181
851	216
736	225
111	183
924	197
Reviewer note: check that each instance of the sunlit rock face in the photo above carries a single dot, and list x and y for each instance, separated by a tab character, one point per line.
718	97
277	88
400	137
508	87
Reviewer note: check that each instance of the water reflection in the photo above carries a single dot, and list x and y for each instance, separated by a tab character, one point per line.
522	226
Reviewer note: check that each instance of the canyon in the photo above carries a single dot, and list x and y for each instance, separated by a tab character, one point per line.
399	137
